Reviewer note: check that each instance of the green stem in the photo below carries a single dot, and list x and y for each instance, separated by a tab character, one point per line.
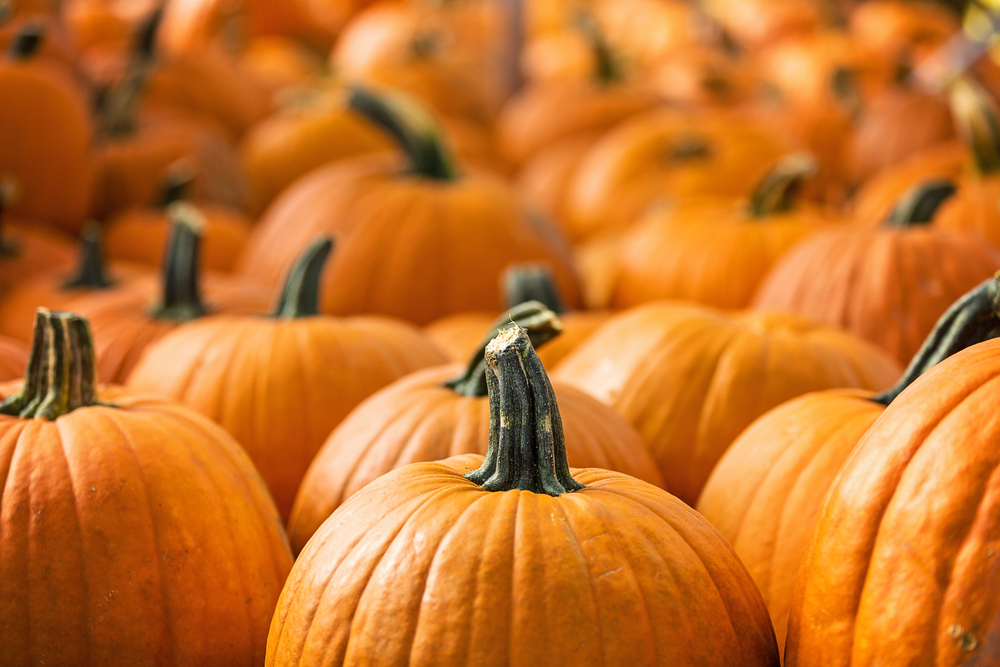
527	447
919	204
90	272
181	276
120	105
541	324
532	282
62	371
26	42
177	184
607	70
780	188
972	319
411	127
976	119
300	293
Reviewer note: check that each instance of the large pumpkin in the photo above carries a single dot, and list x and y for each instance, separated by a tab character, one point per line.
690	378
901	567
888	284
442	412
766	491
313	370
177	554
416	240
517	560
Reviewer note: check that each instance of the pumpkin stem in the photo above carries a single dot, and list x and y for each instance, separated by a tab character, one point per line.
920	203
527	448
300	294
411	127
972	319
90	272
120	105
181	276
532	282
608	70
539	322
177	184
976	119
62	371
26	42
780	188
9	192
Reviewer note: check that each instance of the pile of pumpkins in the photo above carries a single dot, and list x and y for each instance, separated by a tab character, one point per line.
499	332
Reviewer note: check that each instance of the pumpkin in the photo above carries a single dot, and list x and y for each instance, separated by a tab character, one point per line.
444	411
888	285
158	500
599	262
460	558
544	179
27	249
691	378
277	62
315	370
664	154
13	358
459	335
900	568
57	291
45	130
767	489
125	321
139	235
455	233
716	251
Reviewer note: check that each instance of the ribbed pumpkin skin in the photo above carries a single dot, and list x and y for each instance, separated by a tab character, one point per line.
618	573
13	358
123	325
280	386
886	285
766	491
418	419
902	566
690	379
408	247
119	527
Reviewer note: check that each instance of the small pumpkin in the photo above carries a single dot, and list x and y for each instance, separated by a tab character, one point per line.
691	378
766	491
443	411
125	321
888	285
315	368
631	571
158	500
716	251
416	239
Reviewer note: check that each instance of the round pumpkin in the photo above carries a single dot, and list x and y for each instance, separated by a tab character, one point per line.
416	240
889	284
443	411
315	369
691	378
127	320
158	500
517	560
900	568
766	491
716	251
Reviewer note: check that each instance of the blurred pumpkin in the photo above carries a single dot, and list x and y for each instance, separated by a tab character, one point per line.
315	369
443	411
691	378
521	530
13	358
27	249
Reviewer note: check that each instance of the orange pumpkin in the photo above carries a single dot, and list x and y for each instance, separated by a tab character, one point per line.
276	63
690	378
545	178
316	370
766	491
664	154
45	131
456	233
443	411
140	234
716	251
127	320
888	285
623	568
754	23
901	566
13	358
158	500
